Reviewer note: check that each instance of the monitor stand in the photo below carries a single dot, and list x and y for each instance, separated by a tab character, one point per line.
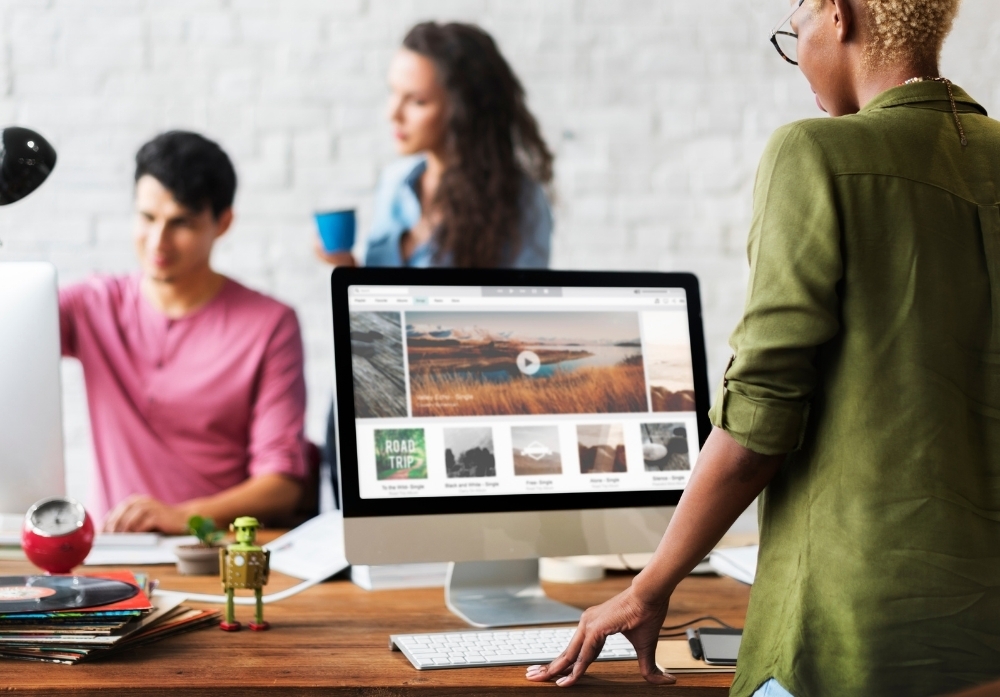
502	594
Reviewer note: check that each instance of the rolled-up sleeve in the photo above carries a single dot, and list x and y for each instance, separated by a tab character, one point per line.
792	306
278	416
71	304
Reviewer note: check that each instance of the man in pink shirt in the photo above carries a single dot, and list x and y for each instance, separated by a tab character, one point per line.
194	382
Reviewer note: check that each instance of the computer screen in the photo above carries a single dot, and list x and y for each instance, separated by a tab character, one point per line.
520	396
31	437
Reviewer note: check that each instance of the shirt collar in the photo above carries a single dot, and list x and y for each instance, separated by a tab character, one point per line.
412	179
926	91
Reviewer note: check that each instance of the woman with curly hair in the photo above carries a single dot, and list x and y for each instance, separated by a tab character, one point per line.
862	401
470	191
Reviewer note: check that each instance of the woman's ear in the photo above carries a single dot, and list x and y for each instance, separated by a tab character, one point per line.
844	18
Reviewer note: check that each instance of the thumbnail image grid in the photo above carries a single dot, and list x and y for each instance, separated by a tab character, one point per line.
601	448
513	363
537	450
400	453
377	365
665	447
468	452
667	344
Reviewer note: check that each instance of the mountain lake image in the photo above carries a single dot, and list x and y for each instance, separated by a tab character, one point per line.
505	363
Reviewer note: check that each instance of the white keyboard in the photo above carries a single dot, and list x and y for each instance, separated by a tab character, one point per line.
511	647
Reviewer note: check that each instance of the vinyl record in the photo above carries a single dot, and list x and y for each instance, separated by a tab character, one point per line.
54	593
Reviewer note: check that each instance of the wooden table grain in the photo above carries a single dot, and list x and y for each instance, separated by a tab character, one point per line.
334	639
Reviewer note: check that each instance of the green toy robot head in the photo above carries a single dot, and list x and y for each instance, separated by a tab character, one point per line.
245	528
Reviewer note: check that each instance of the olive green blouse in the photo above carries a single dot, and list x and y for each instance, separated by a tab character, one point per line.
870	351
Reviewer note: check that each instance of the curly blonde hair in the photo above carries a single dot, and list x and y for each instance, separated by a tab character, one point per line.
907	29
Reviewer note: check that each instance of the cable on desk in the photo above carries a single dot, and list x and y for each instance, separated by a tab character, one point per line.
272	598
708	618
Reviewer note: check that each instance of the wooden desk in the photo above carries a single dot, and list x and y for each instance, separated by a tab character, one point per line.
333	639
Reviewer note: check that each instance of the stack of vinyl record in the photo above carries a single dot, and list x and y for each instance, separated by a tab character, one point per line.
68	619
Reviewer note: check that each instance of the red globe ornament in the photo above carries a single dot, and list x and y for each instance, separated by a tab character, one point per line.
57	535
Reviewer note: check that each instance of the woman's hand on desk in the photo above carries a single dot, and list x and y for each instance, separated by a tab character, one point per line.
726	481
638	620
334	258
146	514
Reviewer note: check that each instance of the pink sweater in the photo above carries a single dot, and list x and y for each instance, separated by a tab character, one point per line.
185	408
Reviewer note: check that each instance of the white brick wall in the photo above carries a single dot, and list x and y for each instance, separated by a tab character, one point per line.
657	109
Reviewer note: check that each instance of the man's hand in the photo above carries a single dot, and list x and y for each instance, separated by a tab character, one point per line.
639	621
146	514
267	497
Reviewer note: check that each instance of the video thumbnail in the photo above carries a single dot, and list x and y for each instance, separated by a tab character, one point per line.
377	363
602	448
667	344
665	447
468	452
506	363
536	450
400	453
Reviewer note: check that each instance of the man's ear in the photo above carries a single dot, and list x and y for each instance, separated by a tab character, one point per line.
845	19
223	222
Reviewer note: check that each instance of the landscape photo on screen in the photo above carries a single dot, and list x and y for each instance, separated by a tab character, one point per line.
602	448
507	363
536	450
377	364
667	345
468	452
665	447
400	453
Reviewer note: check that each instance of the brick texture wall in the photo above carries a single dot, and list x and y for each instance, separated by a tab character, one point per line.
657	110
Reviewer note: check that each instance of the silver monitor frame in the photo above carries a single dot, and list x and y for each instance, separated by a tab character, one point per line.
505	535
31	433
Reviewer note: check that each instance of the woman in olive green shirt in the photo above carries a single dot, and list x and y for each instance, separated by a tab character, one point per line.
863	398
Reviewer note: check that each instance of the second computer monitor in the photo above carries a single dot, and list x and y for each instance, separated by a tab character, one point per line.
487	415
31	438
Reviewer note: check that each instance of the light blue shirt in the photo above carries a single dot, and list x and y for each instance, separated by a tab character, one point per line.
397	209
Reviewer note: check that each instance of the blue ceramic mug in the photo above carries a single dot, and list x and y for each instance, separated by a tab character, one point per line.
336	230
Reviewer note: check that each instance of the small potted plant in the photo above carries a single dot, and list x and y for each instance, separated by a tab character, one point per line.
201	559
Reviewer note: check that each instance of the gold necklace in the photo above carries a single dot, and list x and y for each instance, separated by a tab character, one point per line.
951	97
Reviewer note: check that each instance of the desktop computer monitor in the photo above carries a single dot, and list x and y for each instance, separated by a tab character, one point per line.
492	415
31	437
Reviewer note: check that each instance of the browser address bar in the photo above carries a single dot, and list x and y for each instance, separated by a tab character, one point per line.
380	290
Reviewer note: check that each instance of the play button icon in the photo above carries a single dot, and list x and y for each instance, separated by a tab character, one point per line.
528	362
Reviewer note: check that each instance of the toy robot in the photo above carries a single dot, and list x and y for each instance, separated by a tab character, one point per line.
243	564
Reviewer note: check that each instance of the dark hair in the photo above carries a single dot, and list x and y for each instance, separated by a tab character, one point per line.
195	169
492	143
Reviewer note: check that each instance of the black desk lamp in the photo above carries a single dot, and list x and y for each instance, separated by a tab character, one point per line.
26	159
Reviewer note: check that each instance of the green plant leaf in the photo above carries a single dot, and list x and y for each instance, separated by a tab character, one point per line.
204	530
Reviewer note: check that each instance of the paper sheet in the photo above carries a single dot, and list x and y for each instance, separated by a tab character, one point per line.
120	553
736	562
311	549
